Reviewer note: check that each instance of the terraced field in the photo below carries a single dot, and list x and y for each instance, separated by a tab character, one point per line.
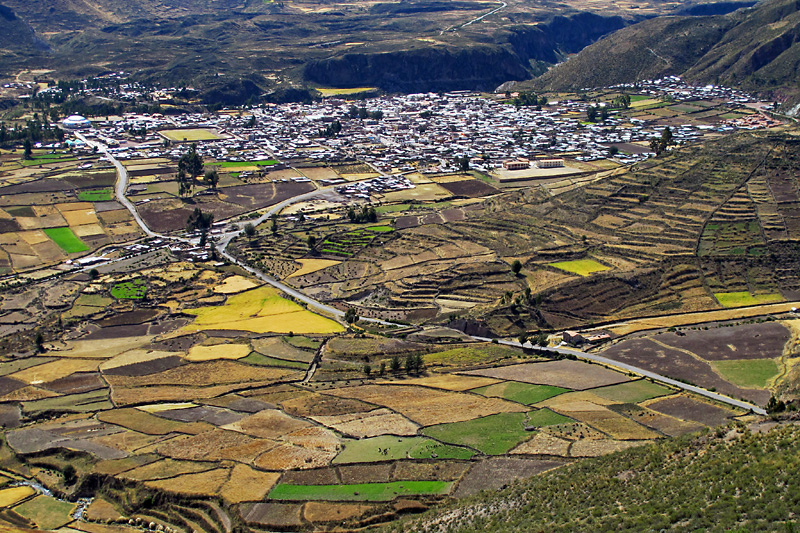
219	426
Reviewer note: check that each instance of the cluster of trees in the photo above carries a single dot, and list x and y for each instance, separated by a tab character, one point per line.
332	130
529	99
35	130
593	113
200	221
190	165
536	339
365	214
622	101
659	145
462	162
363	112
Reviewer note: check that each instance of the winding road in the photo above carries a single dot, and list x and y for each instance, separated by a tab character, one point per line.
225	239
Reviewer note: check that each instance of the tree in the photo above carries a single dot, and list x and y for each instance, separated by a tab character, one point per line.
274	225
28	153
612	151
394	364
522	338
516	267
591	113
419	363
94	273
39	342
660	144
541	339
367	370
69	475
351	315
211	177
185	185
249	230
382	369
410	364
312	241
463	163
191	163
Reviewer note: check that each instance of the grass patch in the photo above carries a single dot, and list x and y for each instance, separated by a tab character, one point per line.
298	341
492	435
748	373
381	229
546	417
390	448
523	393
47	512
256	358
96	195
744	298
130	290
581	267
66	240
361	492
236	164
197	134
260	310
632	391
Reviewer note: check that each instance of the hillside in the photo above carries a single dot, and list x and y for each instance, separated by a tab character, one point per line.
424	45
691	483
754	48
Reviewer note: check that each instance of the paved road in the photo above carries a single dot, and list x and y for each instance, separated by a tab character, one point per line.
225	239
642	372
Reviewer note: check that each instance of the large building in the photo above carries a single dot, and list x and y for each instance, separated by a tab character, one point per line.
76	122
518	164
549	163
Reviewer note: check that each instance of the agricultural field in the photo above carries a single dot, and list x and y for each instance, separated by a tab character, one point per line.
741	360
189	135
581	267
174	396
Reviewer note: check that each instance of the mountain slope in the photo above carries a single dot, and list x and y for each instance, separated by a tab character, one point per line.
756	48
739	481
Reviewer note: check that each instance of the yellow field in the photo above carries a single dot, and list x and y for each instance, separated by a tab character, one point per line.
261	310
312	265
218	351
203	483
9	497
198	134
340	92
54	370
235	284
246	484
158	407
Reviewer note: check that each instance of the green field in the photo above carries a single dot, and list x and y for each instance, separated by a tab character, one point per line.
741	299
236	164
581	267
748	373
492	435
96	195
47	512
130	290
387	448
361	492
256	358
66	240
632	391
546	417
44	159
523	393
198	134
381	229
